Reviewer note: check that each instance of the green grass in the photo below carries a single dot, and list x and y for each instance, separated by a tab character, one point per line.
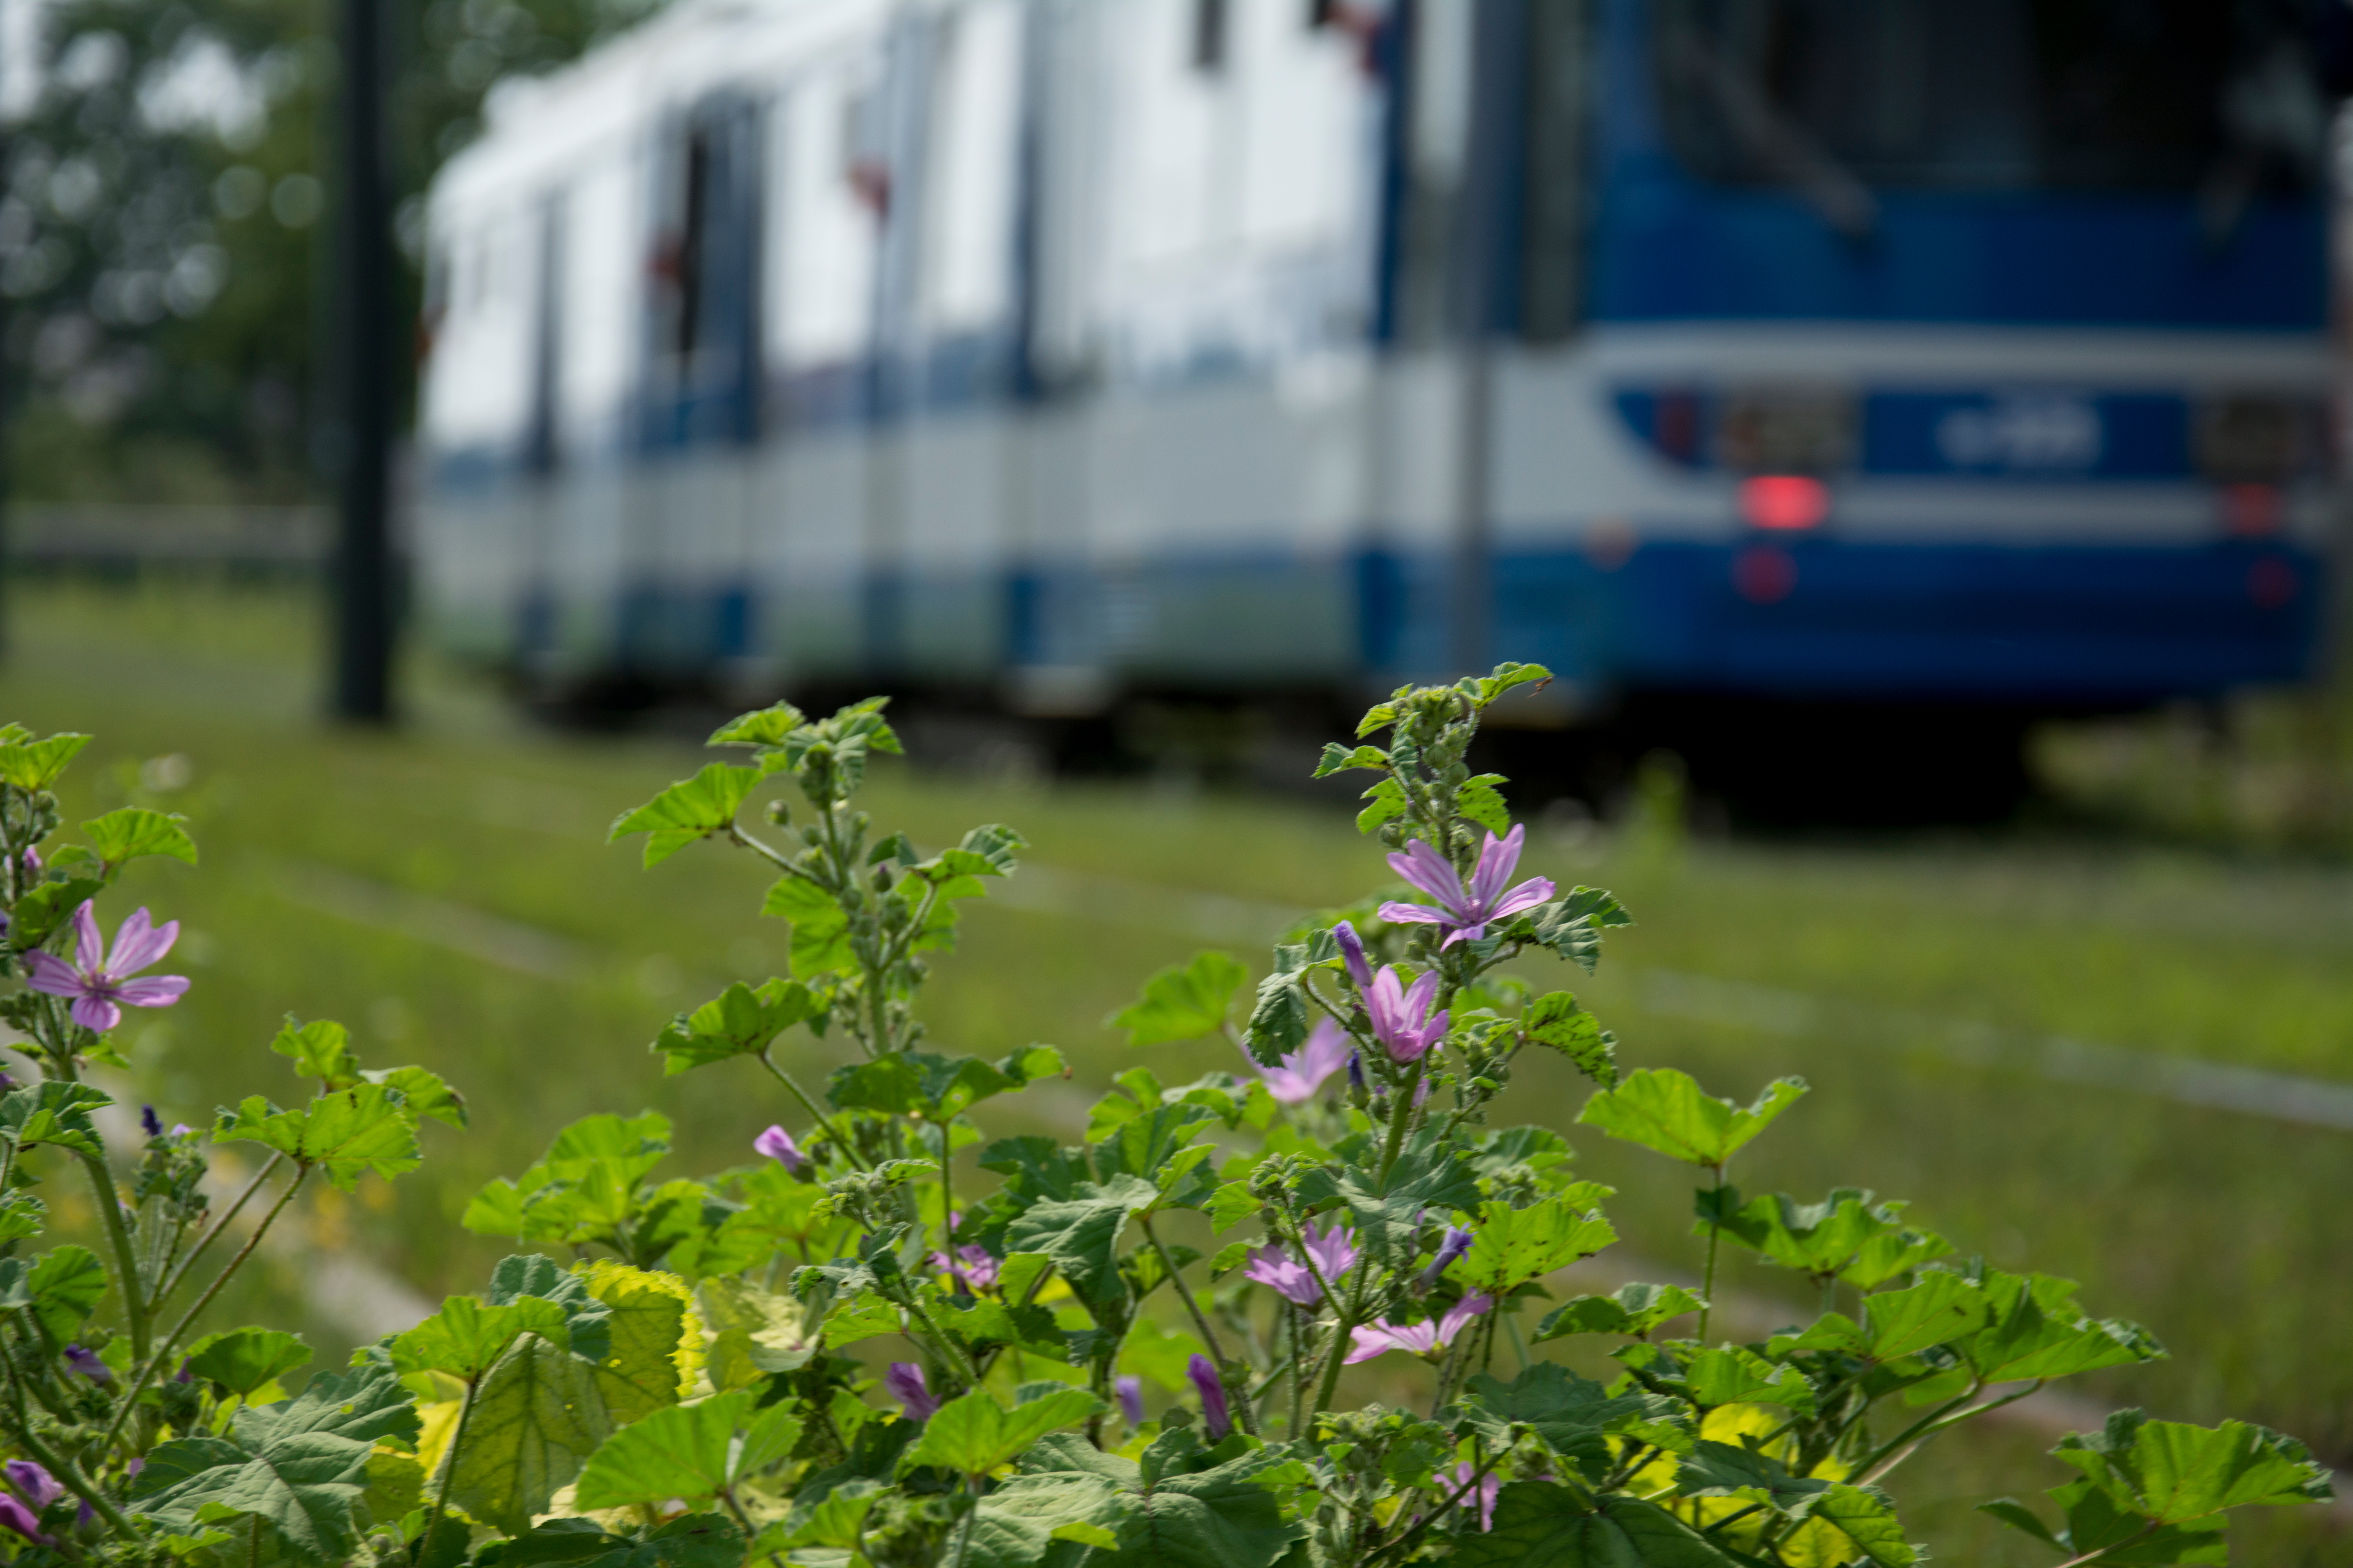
2225	1233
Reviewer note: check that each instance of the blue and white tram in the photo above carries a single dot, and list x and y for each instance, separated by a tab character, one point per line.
1816	351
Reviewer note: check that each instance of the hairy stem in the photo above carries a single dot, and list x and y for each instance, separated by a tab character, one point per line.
237	1206
162	1353
1715	1238
849	1150
449	1462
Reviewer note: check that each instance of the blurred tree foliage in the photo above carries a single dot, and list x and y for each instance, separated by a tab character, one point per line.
164	233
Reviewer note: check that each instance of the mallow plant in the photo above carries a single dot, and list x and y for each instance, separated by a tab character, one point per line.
852	1347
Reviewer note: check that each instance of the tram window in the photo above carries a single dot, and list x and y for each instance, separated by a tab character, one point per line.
693	242
2000	94
1210	36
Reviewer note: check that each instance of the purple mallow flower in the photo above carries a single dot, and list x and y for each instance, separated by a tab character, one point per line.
1215	1415
1483	1500
1400	1013
1279	1270
972	1266
34	1484
1453	1245
1424	1338
150	1122
1465	913
1357	1070
16	1516
1352	949
777	1144
99	981
905	1384
1130	1389
84	1360
1295	1077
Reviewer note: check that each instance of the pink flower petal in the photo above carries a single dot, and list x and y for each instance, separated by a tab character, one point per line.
1413	914
96	1013
1426	868
140	942
90	945
153	991
1526	896
52	976
1498	857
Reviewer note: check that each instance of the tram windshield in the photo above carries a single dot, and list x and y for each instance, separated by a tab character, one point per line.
2211	97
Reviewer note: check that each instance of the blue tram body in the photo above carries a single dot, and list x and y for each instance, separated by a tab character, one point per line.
1818	350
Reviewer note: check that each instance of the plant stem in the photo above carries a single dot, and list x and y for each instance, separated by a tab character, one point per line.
964	1538
840	1143
1200	1319
163	1350
69	1476
1714	1236
1398	1118
117	1235
212	1234
450	1460
1901	1447
1329	1383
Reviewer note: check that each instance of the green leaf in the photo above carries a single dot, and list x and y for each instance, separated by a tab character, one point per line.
1556	1020
537	1417
1182	1003
690	1451
1720	1469
1081	1233
761	727
300	1465
1735	1375
820	931
756	1333
1666	1110
2175	1473
466	1337
1572	925
2035	1330
687	810
1830	1237
321	1050
423	1093
1431	1178
40	912
1389	804
1337	758
1540	1524
1510	1246
739	1021
243	1359
134	831
1574	1416
1865	1516
973	1434
1939	1310
1231	1204
937	1088
1478	800
1507	676
64	1287
36	764
345	1134
1172	1511
1633	1310
53	1111
691	1541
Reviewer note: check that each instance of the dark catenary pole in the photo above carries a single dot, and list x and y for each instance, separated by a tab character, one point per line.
362	346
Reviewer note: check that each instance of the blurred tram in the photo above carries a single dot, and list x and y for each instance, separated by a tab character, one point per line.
1882	357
